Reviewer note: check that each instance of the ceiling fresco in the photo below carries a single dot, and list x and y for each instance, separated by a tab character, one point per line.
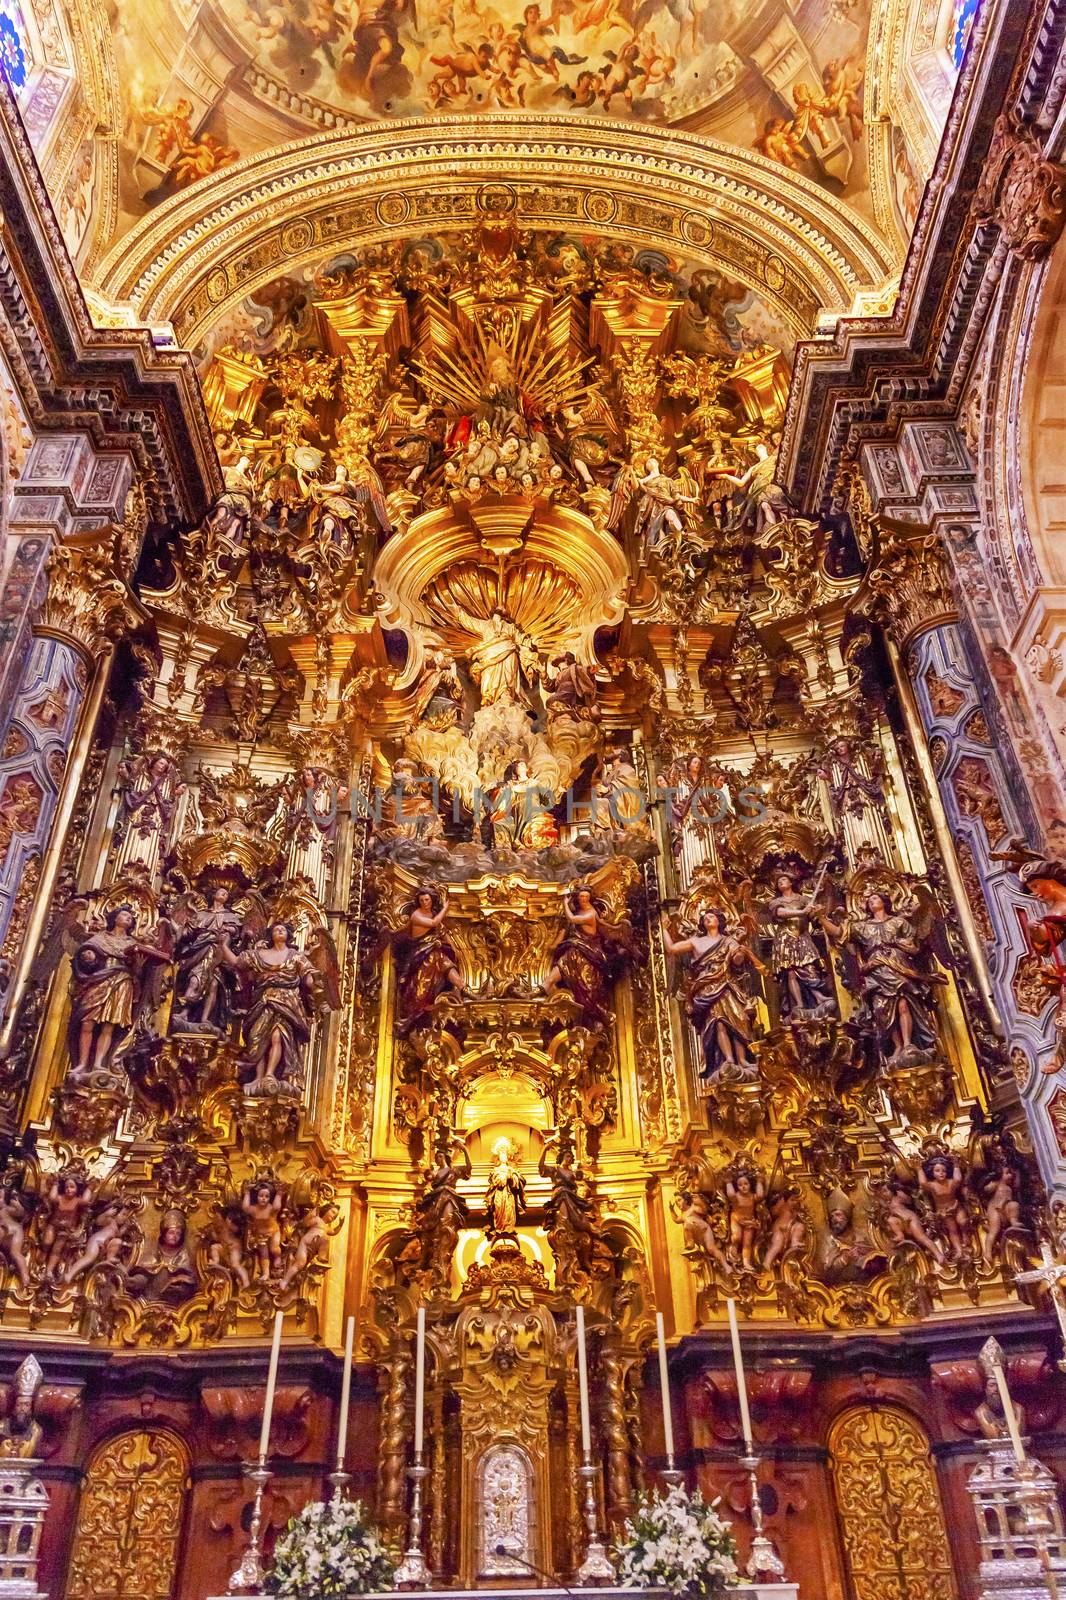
246	74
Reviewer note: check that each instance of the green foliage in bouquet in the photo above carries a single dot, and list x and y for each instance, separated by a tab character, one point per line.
676	1541
331	1550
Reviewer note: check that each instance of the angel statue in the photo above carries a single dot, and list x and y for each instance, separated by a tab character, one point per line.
591	955
346	495
203	984
114	987
716	1004
665	504
570	1213
152	786
427	964
440	1212
897	988
288	988
804	985
763	502
502	660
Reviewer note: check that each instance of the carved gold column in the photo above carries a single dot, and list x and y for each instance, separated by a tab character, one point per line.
85	610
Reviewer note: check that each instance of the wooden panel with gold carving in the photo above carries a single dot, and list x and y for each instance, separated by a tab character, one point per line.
888	1503
129	1519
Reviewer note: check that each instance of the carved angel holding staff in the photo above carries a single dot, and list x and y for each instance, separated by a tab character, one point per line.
715	1001
115	984
897	981
288	988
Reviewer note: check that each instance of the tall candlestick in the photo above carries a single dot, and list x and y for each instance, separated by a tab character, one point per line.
420	1378
742	1388
1010	1416
346	1393
664	1384
583	1384
272	1383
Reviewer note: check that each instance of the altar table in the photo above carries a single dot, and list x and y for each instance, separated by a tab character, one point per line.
748	1591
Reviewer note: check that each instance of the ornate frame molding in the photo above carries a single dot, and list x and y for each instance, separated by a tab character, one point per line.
783	235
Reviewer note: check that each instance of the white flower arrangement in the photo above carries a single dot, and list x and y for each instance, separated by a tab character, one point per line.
676	1541
331	1550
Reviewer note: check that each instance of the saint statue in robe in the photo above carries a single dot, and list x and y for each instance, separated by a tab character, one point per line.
502	660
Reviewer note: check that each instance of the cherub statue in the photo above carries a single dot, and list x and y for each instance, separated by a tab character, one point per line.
310	1242
113	984
67	1204
1001	1194
789	1227
288	988
14	1220
717	1006
745	1192
224	1238
695	1219
113	1233
261	1205
900	1219
941	1179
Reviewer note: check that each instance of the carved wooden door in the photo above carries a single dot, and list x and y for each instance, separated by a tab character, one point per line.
888	1503
129	1518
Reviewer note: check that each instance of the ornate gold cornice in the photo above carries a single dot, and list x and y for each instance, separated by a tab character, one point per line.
86	605
907	587
203	250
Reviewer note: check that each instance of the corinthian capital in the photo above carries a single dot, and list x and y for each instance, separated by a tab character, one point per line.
87	603
907	588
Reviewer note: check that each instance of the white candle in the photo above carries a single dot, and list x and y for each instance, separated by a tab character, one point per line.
583	1384
742	1388
420	1376
346	1394
664	1384
272	1383
1010	1416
